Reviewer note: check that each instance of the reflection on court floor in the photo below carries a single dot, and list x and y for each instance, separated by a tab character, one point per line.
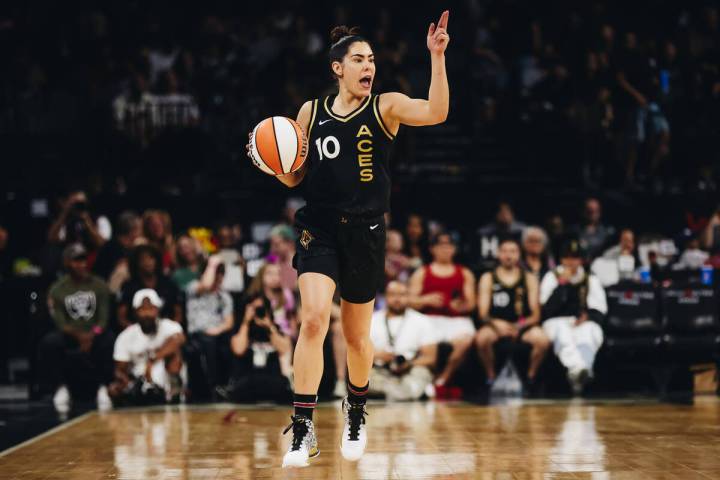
407	441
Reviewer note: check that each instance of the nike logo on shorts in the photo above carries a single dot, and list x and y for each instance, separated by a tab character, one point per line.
374	226
325	121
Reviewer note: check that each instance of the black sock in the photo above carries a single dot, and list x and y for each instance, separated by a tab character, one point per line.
304	405
357	395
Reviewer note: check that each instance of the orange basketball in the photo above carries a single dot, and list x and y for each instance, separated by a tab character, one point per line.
278	146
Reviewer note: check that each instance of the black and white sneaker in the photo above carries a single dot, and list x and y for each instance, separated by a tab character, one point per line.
354	437
304	443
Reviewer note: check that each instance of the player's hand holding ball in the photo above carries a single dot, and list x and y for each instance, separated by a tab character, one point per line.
278	146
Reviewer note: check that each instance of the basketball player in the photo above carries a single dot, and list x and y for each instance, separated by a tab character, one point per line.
509	306
341	230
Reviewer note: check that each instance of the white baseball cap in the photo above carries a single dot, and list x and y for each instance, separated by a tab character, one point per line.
147	293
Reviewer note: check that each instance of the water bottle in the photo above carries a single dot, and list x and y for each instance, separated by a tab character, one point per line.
706	275
645	274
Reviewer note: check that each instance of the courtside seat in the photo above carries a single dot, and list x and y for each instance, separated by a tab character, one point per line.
691	322
632	324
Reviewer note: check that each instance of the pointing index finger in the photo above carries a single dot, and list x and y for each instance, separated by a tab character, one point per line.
442	23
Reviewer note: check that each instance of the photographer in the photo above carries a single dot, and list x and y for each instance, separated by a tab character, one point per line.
258	345
76	225
405	348
148	356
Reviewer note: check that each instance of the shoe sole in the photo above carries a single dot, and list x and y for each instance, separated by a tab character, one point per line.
307	464
350	459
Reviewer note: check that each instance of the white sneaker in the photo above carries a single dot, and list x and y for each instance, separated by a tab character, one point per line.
62	399
104	403
340	389
354	437
577	379
304	443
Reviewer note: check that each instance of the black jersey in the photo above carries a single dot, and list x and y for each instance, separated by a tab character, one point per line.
348	159
509	302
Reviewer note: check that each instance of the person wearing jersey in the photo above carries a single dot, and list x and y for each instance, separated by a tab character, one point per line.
445	292
509	307
341	230
573	304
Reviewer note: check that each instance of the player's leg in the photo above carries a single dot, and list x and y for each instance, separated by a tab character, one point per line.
340	356
484	341
356	320
316	293
540	344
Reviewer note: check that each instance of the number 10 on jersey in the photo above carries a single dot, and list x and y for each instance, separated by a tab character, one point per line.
328	147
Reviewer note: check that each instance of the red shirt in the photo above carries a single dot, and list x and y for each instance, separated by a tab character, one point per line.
451	287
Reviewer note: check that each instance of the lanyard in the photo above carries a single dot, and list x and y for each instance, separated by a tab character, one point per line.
391	337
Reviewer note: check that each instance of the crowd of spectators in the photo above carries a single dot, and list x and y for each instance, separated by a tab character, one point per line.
162	306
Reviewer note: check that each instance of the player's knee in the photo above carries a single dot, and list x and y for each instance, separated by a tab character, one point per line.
314	323
358	344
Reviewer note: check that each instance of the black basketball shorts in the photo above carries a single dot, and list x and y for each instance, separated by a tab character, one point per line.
349	249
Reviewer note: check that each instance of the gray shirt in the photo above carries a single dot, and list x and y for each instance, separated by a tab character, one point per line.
206	310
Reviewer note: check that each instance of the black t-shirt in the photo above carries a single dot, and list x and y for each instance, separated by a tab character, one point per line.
108	257
348	159
165	288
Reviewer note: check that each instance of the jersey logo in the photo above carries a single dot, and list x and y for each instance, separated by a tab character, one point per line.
321	122
374	226
305	239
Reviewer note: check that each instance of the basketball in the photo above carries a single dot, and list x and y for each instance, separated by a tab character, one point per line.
278	146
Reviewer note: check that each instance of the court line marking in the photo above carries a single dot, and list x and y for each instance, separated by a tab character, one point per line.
47	433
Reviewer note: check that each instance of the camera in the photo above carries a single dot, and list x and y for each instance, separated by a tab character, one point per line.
260	312
396	363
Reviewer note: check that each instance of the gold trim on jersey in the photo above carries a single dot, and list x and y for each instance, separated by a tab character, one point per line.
312	118
376	110
350	115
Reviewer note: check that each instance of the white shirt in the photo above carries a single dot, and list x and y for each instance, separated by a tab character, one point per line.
596	299
409	332
206	310
134	346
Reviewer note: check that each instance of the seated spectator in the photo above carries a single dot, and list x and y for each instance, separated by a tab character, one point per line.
405	348
189	261
397	264
267	283
258	345
536	257
416	241
693	257
234	264
209	319
445	291
282	247
157	230
146	272
509	307
592	234
618	262
148	355
79	304
573	303
127	232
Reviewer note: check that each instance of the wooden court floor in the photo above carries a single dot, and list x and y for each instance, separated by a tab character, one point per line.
406	441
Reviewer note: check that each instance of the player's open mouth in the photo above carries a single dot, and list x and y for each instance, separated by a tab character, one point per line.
366	81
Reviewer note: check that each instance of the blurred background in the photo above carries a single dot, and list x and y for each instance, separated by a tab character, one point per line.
125	124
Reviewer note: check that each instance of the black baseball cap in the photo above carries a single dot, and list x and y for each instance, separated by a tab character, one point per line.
571	248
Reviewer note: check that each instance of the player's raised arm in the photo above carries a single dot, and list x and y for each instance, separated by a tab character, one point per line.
398	108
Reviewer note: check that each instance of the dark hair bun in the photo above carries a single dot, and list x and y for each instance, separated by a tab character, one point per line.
342	31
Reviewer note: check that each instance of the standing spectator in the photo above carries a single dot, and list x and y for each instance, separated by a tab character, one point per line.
397	264
157	229
504	225
535	255
79	304
573	303
282	247
592	233
127	232
189	261
509	307
209	319
146	272
405	348
258	346
148	355
234	264
445	291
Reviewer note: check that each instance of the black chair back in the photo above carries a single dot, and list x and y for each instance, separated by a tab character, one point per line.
633	309
690	309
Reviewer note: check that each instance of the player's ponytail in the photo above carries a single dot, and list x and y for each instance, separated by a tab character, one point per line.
341	37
